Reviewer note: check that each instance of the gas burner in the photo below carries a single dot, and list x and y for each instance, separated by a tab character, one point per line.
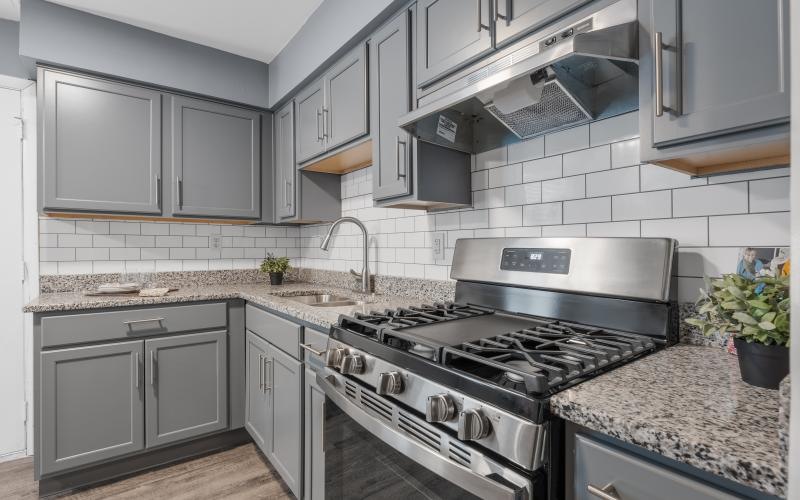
423	351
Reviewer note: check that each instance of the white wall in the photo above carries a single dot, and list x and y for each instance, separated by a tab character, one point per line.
585	181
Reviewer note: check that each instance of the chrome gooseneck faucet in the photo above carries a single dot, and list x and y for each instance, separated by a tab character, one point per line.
365	278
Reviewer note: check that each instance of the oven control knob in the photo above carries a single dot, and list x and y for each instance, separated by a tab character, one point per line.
439	408
333	357
390	383
472	425
352	364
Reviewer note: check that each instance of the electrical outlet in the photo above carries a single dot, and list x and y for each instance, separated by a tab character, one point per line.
216	241
437	245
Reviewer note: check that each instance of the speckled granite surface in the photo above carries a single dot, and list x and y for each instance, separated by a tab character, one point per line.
785	392
276	298
689	404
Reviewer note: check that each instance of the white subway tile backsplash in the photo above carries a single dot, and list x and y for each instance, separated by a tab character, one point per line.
489	198
154	228
618	128
522	232
689	289
154	254
769	195
698	262
588	210
543	169
655	178
48	240
164	266
124	227
523	194
91	254
56	254
625	153
91	227
473	219
480	180
182	253
568	231
505	217
505	176
769	229
107	266
710	200
749	176
168	241
587	160
74	240
56	226
566	188
140	241
491	159
526	150
565	141
74	267
625	229
448	221
619	181
639	206
543	214
690	232
124	254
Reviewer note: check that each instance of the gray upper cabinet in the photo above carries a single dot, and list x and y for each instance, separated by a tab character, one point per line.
314	456
100	145
345	113
257	406
186	387
310	122
390	93
285	386
285	166
214	152
517	17
724	66
91	404
451	33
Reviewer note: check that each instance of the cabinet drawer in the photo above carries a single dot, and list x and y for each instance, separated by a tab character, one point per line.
315	342
283	334
131	323
598	465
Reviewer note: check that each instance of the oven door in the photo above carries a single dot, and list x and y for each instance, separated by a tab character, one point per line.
376	449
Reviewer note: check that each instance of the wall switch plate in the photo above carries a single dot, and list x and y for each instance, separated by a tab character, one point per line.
216	241
437	245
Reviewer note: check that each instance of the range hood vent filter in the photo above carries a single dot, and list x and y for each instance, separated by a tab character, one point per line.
555	110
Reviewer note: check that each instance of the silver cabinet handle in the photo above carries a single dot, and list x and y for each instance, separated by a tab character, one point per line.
497	15
136	369
659	77
319	122
138	321
397	144
481	26
158	190
153	361
288	193
261	372
267	365
607	492
179	191
325	125
313	350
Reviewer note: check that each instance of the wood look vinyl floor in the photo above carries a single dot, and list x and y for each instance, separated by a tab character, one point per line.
238	473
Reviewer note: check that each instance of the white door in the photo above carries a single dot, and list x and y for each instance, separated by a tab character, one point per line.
12	360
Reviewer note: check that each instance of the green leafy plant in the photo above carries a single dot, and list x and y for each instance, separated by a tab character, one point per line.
753	310
274	264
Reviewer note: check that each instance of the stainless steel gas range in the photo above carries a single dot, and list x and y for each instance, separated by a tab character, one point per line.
451	400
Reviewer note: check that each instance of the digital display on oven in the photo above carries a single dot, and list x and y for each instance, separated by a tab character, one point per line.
536	260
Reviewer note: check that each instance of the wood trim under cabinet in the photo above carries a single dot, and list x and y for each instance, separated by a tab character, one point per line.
345	161
752	157
145	218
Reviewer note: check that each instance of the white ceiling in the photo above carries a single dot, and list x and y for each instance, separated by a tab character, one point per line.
9	9
257	29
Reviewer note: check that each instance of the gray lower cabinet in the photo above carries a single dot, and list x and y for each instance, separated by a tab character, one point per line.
450	34
100	145
516	17
214	151
285	387
692	87
314	444
187	386
257	405
92	405
285	166
602	469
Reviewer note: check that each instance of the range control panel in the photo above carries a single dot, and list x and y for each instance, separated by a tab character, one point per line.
536	260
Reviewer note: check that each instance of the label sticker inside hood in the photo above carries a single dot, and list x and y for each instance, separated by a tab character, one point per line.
446	129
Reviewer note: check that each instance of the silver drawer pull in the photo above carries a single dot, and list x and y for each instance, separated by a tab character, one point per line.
137	321
607	492
310	348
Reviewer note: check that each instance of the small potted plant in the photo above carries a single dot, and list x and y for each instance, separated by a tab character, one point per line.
756	313
275	266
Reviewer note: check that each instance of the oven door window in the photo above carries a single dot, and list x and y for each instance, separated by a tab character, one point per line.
359	465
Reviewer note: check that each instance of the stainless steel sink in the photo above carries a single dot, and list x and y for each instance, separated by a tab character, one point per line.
326	300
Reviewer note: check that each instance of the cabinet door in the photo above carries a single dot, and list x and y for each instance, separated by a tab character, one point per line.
101	145
732	69
285	386
310	121
258	412
187	386
285	167
314	457
92	407
215	153
345	111
450	33
516	17
390	84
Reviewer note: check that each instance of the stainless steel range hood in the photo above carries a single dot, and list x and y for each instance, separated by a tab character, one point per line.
582	68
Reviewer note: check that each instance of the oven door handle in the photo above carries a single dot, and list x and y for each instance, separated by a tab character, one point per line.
471	481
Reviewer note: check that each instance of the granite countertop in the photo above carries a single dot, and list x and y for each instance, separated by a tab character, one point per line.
687	403
276	298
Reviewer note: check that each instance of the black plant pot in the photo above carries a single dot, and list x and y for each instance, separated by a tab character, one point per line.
275	278
762	365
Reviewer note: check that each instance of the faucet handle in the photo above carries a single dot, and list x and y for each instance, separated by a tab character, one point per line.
358	275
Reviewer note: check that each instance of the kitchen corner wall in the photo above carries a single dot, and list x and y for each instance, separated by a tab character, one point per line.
584	181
